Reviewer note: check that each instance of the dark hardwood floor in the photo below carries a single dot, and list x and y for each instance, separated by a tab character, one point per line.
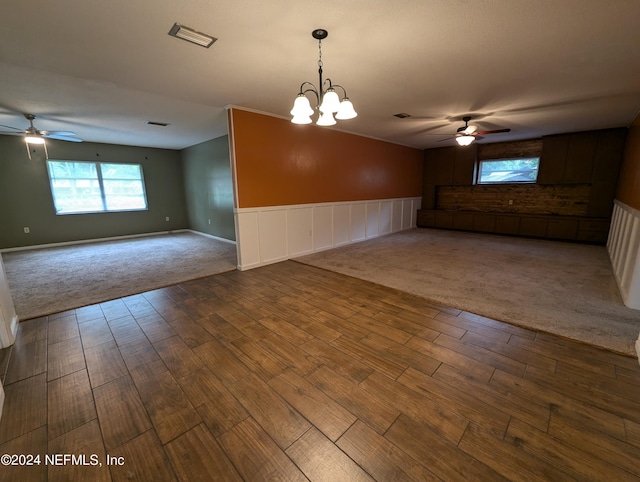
289	372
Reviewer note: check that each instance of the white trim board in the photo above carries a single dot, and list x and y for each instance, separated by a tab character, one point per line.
271	234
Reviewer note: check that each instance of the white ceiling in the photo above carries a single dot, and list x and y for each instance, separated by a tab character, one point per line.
103	69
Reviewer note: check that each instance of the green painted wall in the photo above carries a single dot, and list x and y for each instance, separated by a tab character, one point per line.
25	194
209	188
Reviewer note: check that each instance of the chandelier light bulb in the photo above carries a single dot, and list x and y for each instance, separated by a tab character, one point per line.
330	101
465	140
301	119
346	110
301	107
326	119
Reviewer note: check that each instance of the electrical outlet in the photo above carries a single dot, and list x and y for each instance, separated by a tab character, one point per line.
209	221
510	202
26	230
167	218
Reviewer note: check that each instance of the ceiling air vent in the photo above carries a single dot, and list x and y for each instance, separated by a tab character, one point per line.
402	115
190	35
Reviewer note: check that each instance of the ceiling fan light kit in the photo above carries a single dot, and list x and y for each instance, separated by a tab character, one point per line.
328	101
468	134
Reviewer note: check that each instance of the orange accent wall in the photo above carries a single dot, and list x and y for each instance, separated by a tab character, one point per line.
629	180
280	163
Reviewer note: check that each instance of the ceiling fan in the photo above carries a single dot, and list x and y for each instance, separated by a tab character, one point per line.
35	136
466	134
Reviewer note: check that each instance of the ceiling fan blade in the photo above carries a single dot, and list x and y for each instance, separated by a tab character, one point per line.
63	138
10	127
497	131
447	139
470	130
61	133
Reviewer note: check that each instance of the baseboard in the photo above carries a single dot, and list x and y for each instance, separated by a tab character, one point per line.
217	238
1	400
638	349
88	241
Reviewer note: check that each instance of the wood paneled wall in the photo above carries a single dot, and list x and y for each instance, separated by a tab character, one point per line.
629	186
516	198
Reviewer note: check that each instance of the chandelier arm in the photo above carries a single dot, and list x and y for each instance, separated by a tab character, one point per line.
343	89
313	90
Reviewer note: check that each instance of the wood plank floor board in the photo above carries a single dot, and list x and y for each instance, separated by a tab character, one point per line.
338	361
25	407
499	325
125	330
215	404
121	413
615	403
319	459
607	421
70	403
443	420
25	360
484	331
509	459
34	443
534	412
191	332
177	356
465	405
572	354
274	414
443	354
290	372
291	355
196	455
331	418
378	362
85	442
169	409
401	354
256	456
95	332
362	403
440	456
379	457
489	357
65	357
572	431
144	459
514	352
565	456
104	363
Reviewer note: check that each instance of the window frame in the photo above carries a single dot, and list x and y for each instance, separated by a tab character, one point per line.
101	186
478	177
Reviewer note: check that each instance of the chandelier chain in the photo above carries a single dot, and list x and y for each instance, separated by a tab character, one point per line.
320	53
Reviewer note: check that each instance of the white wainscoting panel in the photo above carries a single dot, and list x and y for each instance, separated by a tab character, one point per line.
358	222
300	231
272	230
341	224
270	234
385	217
323	227
623	246
373	220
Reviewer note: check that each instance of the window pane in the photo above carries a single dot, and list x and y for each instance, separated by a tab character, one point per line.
508	171
121	171
122	195
75	187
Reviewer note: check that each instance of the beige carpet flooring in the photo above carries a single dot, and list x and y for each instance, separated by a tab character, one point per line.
50	280
563	288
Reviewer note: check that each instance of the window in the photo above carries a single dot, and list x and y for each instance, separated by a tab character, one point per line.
90	187
503	171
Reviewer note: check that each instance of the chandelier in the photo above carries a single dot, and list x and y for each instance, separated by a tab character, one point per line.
328	101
